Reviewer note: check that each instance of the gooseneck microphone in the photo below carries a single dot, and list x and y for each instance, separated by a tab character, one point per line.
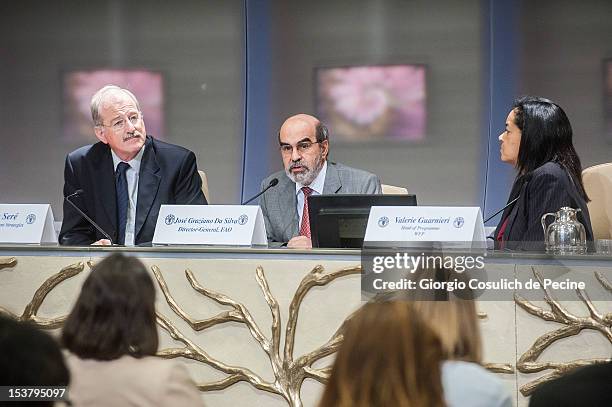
273	182
83	214
497	213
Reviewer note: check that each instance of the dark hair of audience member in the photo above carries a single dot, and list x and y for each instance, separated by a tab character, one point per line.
30	357
114	314
389	357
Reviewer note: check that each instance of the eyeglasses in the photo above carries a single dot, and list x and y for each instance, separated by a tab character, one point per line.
302	147
119	124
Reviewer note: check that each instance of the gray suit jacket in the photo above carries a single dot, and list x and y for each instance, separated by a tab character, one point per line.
279	203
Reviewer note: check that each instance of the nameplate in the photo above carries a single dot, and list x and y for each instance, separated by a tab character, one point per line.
425	224
226	225
26	224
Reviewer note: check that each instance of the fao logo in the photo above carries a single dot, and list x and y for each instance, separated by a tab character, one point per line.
383	222
31	218
243	219
458	222
170	219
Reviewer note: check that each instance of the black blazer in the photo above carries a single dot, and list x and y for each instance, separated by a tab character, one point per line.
546	189
586	386
168	175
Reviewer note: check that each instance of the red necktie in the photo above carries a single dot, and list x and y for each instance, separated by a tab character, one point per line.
305	226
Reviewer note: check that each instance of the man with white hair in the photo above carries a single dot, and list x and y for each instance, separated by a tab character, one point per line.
304	147
121	181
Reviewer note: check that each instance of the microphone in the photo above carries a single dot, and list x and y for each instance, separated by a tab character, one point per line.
272	183
83	214
497	213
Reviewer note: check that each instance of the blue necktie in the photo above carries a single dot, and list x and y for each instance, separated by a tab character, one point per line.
122	199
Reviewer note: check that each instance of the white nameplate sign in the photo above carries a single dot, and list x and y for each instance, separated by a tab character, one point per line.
26	223
227	225
425	224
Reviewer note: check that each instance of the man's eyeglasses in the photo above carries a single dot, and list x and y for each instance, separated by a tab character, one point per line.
302	147
119	124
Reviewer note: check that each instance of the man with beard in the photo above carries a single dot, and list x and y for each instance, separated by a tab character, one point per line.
304	148
121	181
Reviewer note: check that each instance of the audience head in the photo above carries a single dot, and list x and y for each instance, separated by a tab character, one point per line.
114	314
451	315
539	131
304	147
455	322
118	121
30	357
389	357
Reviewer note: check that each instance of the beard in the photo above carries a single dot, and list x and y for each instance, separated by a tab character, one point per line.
308	175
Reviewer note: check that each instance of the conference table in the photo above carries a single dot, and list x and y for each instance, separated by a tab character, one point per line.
259	326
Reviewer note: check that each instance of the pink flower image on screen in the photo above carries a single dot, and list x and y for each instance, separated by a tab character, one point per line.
80	86
373	102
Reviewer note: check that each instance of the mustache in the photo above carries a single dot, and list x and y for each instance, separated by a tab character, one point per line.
298	164
131	135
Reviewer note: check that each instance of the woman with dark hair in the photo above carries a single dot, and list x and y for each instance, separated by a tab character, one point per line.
30	357
111	334
537	141
389	357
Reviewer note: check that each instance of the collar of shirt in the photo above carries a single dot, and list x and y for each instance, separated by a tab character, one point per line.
316	185
134	162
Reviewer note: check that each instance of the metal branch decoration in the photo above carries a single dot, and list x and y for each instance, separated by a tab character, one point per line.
31	310
572	325
503	368
7	262
288	373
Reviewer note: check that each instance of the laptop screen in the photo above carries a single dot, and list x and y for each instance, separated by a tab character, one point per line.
340	221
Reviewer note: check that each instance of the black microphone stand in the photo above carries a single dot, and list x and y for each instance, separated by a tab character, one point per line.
83	214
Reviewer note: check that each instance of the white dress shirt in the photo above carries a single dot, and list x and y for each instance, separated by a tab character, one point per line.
132	184
317	189
469	384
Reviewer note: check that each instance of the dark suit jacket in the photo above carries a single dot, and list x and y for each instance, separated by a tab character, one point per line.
587	386
544	190
279	204
168	175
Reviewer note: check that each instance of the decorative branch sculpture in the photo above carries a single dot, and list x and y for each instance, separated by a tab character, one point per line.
288	374
6	262
31	310
597	321
503	368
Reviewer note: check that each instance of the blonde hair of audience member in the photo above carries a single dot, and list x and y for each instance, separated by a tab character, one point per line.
451	315
455	322
389	357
